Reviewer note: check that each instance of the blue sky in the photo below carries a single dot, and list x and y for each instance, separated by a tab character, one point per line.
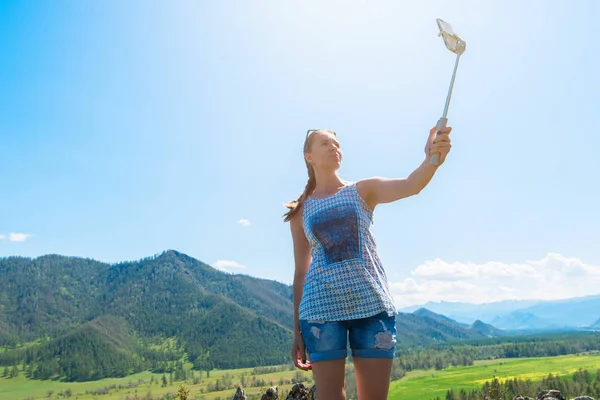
128	128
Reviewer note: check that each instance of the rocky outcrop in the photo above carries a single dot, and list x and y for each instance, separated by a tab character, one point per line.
298	392
551	395
270	394
239	394
301	392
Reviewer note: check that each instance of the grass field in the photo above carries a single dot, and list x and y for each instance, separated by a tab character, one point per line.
416	385
20	388
426	385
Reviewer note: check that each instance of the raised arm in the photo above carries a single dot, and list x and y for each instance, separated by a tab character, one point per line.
302	260
378	190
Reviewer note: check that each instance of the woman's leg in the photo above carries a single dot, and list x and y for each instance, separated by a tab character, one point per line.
326	343
373	342
329	379
372	377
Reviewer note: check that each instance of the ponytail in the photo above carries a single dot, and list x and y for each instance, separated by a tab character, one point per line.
295	205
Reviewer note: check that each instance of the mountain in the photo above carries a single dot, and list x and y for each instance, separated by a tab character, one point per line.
518	320
217	319
80	319
574	312
595	325
486	330
90	351
469	312
423	312
47	296
424	327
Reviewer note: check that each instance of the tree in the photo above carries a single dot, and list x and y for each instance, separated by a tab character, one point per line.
164	381
495	391
183	392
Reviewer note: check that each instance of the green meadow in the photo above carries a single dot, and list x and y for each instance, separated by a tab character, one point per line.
416	385
143	386
425	385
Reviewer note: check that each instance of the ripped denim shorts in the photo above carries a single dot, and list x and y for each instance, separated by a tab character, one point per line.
371	337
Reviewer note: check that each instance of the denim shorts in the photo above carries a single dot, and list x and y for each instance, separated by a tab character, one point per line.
371	337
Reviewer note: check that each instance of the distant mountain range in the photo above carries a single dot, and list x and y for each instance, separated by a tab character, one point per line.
518	320
83	320
574	313
424	327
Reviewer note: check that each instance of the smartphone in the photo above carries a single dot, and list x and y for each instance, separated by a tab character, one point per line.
454	43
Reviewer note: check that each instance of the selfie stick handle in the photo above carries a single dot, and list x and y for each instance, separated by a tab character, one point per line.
435	158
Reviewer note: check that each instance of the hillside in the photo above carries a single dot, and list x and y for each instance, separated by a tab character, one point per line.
484	329
62	300
424	327
111	320
424	312
47	296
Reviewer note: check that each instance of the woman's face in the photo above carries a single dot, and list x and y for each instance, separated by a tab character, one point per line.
325	151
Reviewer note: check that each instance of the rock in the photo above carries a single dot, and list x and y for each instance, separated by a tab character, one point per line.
550	395
299	392
239	394
270	394
312	393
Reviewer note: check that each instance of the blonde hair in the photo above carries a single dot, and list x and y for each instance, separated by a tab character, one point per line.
295	205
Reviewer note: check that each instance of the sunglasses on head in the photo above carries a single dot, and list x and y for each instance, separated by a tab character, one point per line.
308	132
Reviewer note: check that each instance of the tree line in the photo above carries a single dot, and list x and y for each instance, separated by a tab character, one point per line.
582	383
442	356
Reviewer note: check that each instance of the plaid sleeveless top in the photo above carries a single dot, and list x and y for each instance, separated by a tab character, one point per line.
345	279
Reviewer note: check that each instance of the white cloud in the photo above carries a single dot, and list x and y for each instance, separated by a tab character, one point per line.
553	277
442	270
244	222
19	237
2	237
227	265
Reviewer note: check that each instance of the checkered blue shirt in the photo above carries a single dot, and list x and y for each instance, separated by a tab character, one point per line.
345	279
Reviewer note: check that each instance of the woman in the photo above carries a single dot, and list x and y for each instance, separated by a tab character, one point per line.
340	287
